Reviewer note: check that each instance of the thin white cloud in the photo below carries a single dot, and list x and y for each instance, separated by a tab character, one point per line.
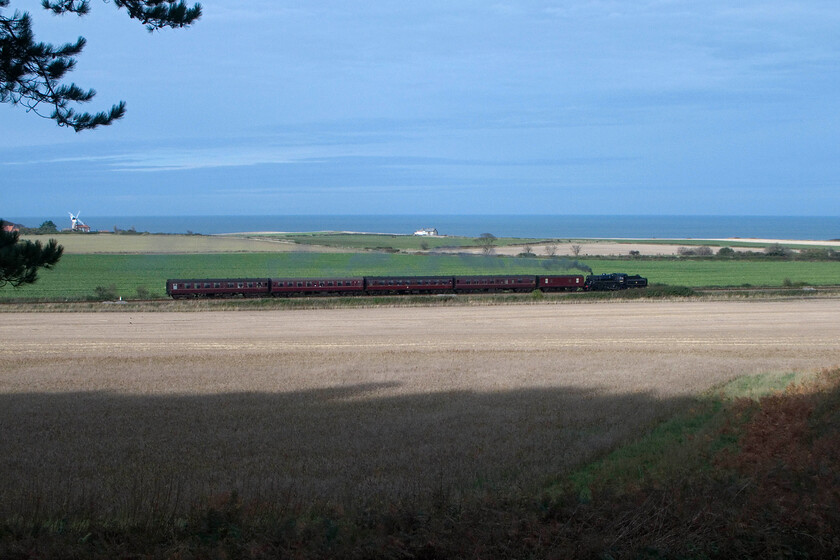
308	190
67	159
231	156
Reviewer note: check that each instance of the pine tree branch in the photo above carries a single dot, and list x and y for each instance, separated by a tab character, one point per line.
30	72
157	14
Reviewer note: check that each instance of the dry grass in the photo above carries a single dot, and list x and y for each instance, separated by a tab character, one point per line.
126	415
154	244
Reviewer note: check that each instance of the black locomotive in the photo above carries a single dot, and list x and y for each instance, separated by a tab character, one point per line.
614	281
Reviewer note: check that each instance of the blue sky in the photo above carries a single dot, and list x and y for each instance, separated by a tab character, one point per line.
389	107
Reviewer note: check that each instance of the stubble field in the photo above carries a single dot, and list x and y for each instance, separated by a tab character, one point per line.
123	416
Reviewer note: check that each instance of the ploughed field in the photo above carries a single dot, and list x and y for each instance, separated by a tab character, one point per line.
130	415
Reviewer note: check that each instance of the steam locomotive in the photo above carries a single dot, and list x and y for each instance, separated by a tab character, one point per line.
388	285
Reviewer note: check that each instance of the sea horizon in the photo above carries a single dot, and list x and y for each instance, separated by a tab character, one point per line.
500	225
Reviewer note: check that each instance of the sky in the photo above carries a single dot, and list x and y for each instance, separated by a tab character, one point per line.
275	107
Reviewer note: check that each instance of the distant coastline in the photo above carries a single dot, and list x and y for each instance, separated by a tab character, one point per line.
536	226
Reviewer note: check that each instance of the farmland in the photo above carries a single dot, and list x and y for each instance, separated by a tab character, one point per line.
167	244
78	275
354	408
331	426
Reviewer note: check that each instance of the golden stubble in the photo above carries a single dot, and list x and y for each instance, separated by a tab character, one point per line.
118	413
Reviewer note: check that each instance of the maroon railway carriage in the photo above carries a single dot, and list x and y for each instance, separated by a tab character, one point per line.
519	283
408	284
217	287
560	283
281	287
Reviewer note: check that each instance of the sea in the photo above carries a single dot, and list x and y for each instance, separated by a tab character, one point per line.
531	226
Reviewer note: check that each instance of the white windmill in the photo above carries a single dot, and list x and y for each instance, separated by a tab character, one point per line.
76	224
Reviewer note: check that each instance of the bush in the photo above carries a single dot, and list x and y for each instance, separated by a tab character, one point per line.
701	251
726	252
777	250
788	283
143	292
106	293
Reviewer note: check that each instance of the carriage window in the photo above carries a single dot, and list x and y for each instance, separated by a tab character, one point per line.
300	284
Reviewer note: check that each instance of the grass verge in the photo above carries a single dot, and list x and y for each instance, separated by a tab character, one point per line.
317	302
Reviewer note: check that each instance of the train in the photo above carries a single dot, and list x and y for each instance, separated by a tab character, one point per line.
395	285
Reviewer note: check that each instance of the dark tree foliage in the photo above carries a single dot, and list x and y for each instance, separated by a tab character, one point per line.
31	73
20	260
48	227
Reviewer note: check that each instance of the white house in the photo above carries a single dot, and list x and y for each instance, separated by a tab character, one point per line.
431	232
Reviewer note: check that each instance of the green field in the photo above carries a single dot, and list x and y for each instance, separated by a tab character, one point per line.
77	276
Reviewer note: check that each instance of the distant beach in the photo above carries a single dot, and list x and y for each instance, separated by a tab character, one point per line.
633	227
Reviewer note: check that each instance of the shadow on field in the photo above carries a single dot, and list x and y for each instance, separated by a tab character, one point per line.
130	456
